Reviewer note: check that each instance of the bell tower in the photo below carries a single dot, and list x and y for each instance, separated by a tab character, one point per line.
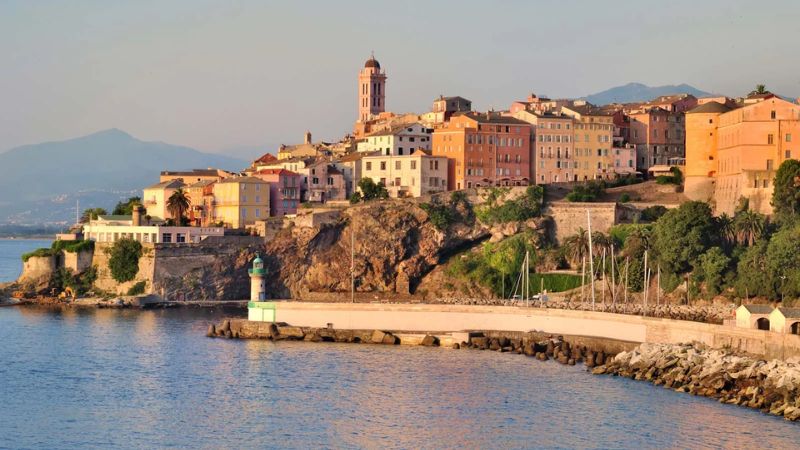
371	90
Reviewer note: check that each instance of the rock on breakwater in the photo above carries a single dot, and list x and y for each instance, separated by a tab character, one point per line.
771	386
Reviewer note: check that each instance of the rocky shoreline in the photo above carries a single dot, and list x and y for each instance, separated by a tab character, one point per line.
770	386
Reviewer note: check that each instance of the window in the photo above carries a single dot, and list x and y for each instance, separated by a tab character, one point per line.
258	199
788	154
770	139
383	165
400	150
244	212
369	165
769	164
413	165
166	238
788	137
244	199
330	181
397	181
772	114
397	165
436	165
315	180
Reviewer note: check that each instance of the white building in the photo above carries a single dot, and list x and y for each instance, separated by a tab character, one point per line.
398	141
409	175
110	229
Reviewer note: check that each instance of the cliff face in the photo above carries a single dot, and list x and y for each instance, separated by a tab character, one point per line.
394	246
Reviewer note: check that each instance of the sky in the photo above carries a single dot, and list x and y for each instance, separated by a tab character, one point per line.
226	75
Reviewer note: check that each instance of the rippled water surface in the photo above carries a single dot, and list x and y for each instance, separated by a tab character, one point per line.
144	379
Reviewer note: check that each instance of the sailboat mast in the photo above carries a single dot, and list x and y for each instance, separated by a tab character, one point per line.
591	257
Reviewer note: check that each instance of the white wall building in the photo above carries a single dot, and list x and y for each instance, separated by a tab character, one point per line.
398	141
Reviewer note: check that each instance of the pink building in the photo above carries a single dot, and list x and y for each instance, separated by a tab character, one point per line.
284	190
324	182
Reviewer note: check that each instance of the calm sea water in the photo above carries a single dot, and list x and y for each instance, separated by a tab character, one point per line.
10	252
100	378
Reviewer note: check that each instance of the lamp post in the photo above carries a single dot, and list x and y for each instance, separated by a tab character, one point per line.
783	278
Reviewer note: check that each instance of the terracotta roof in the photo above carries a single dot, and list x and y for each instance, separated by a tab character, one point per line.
267	158
202	183
277	172
758	309
242	180
710	107
587	110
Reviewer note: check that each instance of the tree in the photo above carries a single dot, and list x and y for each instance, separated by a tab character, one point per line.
786	190
126	208
759	90
712	266
653	213
682	235
748	227
751	278
91	214
576	247
783	260
177	204
727	231
371	190
124	259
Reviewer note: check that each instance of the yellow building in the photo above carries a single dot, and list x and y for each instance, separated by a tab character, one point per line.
241	201
154	198
407	176
592	142
701	150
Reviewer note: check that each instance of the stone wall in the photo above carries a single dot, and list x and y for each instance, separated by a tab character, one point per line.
107	283
568	217
77	262
37	272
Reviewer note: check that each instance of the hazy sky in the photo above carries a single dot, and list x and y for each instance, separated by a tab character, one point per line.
224	74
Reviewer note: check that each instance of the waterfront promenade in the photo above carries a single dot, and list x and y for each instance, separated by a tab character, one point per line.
415	318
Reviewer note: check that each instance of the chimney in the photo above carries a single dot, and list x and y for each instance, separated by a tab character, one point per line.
307	137
137	216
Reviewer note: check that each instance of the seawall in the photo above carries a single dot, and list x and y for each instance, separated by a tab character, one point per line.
454	318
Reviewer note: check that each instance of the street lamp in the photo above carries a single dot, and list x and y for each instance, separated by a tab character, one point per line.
783	278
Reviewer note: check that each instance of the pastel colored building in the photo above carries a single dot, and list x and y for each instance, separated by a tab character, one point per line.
593	133
785	320
411	175
484	149
444	108
553	155
658	135
110	229
284	190
675	103
241	201
351	168
324	182
753	316
371	90
201	202
737	152
397	141
154	198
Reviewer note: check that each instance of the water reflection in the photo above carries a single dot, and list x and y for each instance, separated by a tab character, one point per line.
107	378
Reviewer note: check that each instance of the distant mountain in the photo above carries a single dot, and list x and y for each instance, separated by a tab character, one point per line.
40	183
638	92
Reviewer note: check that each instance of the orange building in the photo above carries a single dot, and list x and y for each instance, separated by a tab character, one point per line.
593	141
739	151
484	149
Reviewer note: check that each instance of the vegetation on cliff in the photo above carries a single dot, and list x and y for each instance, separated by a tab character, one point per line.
442	214
57	247
499	209
123	259
369	190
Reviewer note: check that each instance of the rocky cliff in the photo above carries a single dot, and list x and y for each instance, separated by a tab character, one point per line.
393	245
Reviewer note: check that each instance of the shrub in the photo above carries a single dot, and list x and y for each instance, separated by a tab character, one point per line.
523	208
586	192
38	253
371	190
72	246
124	259
624	198
439	214
652	213
137	288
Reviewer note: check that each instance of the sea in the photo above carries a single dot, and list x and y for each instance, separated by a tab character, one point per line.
103	378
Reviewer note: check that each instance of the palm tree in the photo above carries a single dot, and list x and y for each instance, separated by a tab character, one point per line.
177	204
577	246
760	90
749	226
727	229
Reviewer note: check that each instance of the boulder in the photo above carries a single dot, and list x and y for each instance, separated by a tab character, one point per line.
212	331
430	341
390	339
377	337
290	333
456	346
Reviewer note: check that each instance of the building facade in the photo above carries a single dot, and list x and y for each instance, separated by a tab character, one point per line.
284	190
658	135
155	197
484	149
324	182
241	201
553	156
409	175
397	141
593	135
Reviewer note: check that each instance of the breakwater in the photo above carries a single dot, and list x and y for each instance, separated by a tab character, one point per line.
771	386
